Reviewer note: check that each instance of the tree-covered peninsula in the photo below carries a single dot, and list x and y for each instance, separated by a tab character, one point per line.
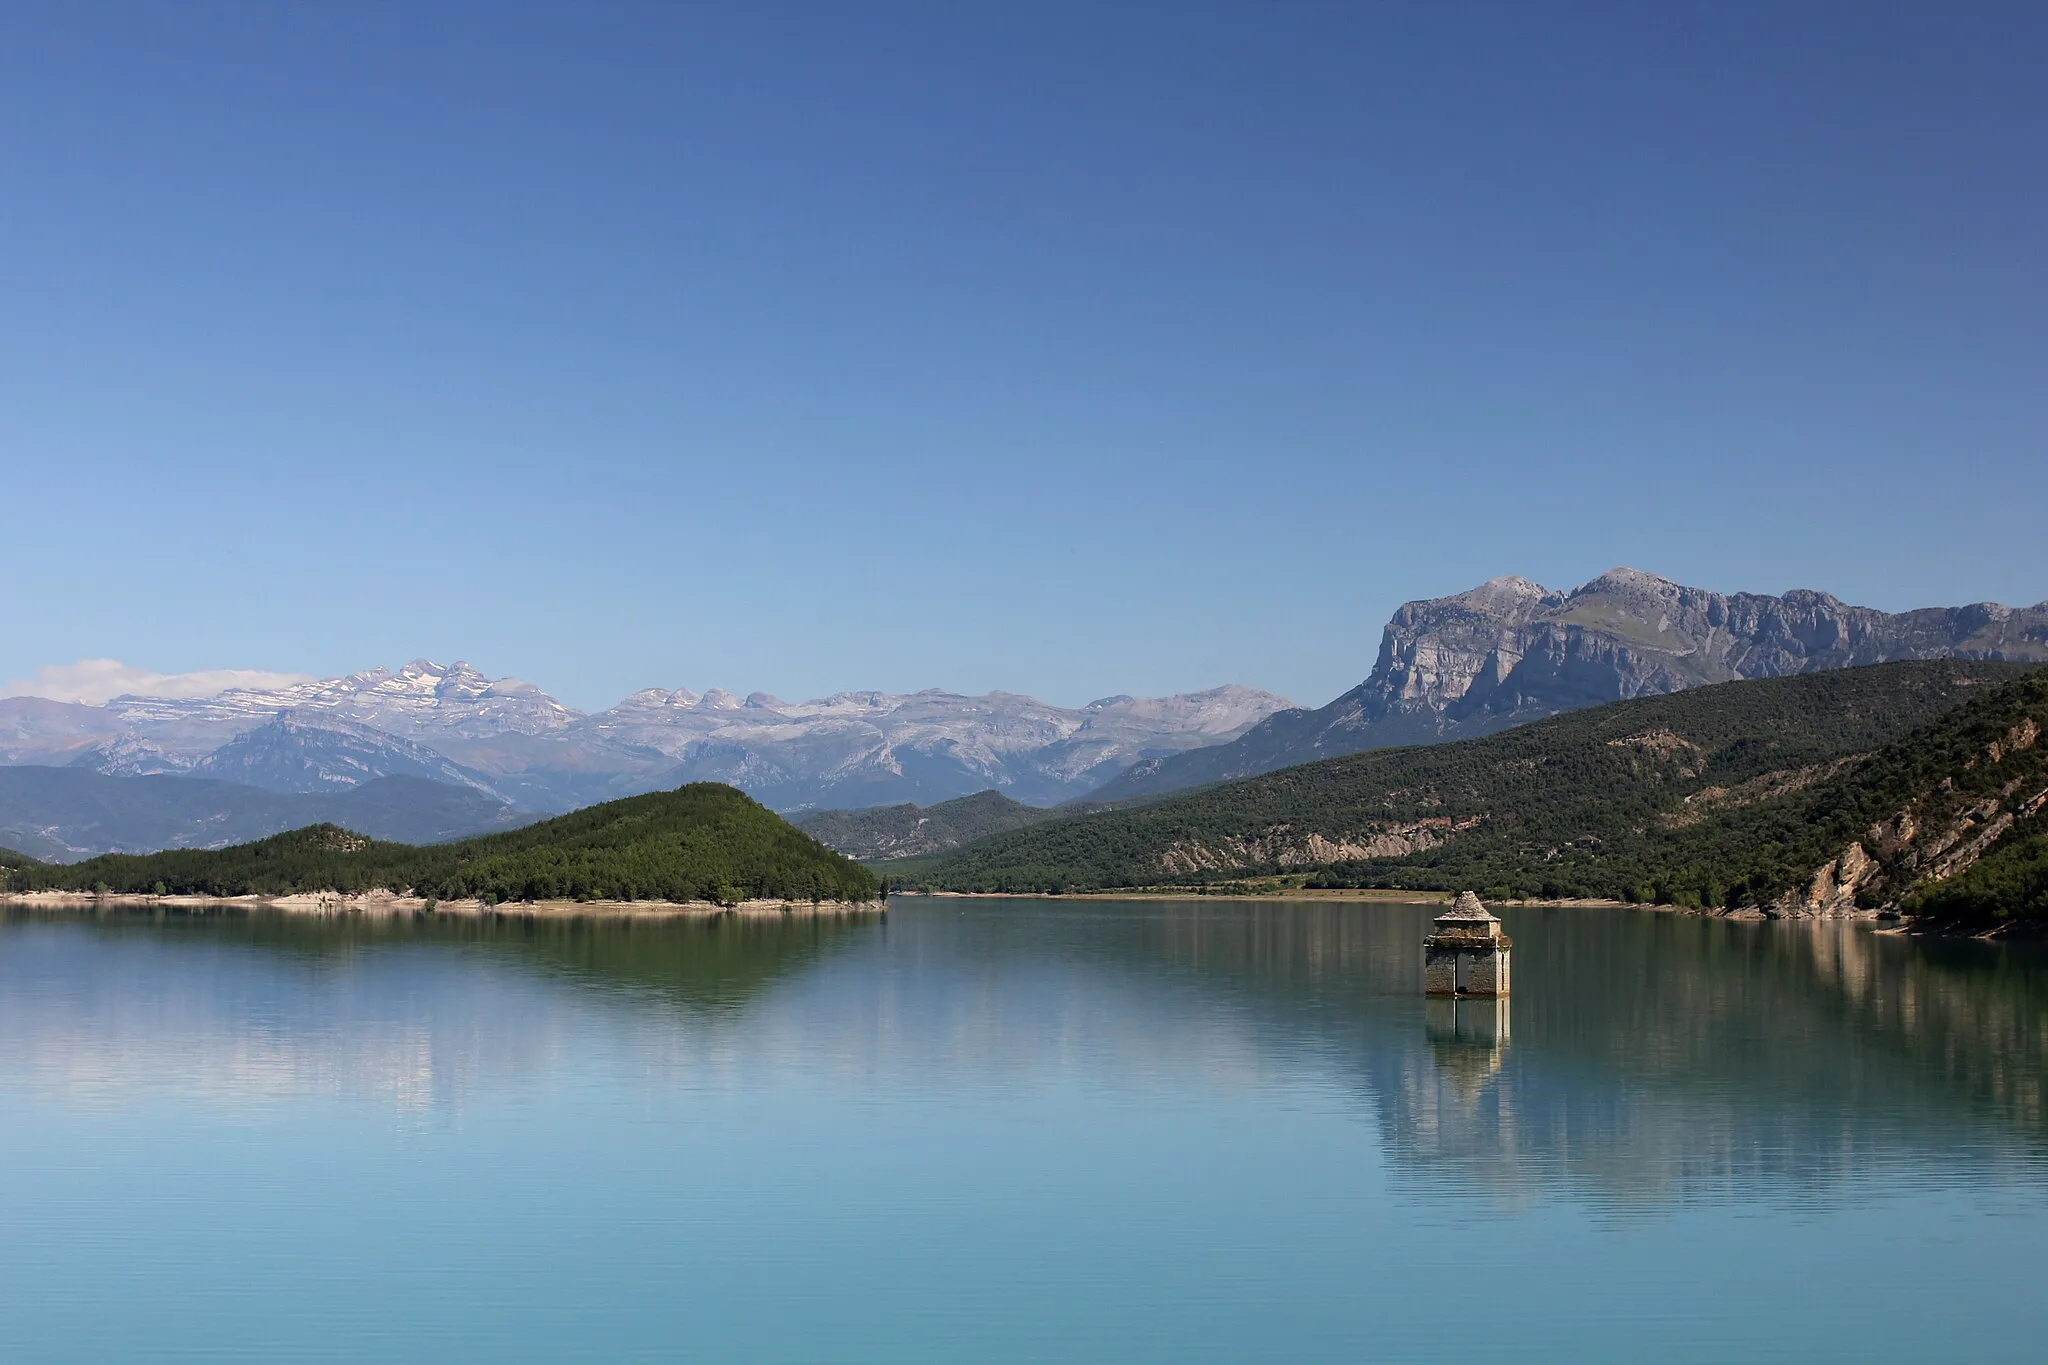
702	842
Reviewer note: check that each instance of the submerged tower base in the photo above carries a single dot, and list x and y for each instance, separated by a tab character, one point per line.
1467	954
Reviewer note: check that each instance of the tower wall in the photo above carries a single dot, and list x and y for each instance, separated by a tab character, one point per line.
1489	973
1467	969
1439	971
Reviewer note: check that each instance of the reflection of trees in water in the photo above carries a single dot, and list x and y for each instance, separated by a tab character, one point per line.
714	965
242	1008
1646	1058
704	964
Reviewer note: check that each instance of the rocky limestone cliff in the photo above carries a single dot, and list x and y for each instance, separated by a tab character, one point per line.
1511	651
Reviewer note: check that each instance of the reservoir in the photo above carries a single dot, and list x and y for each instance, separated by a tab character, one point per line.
1015	1130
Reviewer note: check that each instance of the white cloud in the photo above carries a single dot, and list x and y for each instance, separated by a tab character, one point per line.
95	680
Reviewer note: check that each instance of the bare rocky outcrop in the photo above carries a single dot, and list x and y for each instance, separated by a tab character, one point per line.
1832	892
1287	848
1766	787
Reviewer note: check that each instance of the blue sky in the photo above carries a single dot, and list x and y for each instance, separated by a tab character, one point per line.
1065	349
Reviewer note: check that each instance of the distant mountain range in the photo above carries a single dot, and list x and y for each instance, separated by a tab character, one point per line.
1510	651
508	739
1504	653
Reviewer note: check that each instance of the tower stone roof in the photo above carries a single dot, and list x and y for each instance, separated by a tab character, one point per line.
1467	910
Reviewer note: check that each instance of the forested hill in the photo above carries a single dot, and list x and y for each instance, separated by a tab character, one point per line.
704	841
909	831
1735	794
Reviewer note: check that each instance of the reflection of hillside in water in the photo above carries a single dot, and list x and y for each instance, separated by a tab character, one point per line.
1652	1057
711	965
249	1008
1643	1059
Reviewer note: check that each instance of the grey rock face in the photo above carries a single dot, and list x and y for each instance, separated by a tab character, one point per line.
1511	651
132	756
292	755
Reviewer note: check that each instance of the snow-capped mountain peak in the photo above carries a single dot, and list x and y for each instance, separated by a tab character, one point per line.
449	722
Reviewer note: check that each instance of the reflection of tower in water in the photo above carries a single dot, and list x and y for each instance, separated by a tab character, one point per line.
1467	1037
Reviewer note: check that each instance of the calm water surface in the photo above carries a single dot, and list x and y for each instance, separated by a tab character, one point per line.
1015	1130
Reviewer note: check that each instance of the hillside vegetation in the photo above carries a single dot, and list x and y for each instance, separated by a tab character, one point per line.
1730	795
704	841
2010	882
908	831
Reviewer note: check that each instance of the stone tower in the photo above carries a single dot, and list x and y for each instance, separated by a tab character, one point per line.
1466	954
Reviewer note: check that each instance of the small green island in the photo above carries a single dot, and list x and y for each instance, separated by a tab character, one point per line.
705	846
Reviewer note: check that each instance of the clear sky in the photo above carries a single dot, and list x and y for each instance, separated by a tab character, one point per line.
1064	349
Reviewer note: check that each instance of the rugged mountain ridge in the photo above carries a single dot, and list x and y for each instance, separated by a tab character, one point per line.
449	723
1511	651
1825	794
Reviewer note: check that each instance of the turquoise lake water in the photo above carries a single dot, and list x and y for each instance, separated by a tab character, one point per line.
1015	1130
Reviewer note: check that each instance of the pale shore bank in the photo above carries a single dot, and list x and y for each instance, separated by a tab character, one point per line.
1367	894
386	903
1892	924
1304	896
1362	894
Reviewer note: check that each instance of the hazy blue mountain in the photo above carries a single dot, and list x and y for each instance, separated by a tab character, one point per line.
911	831
63	814
38	730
